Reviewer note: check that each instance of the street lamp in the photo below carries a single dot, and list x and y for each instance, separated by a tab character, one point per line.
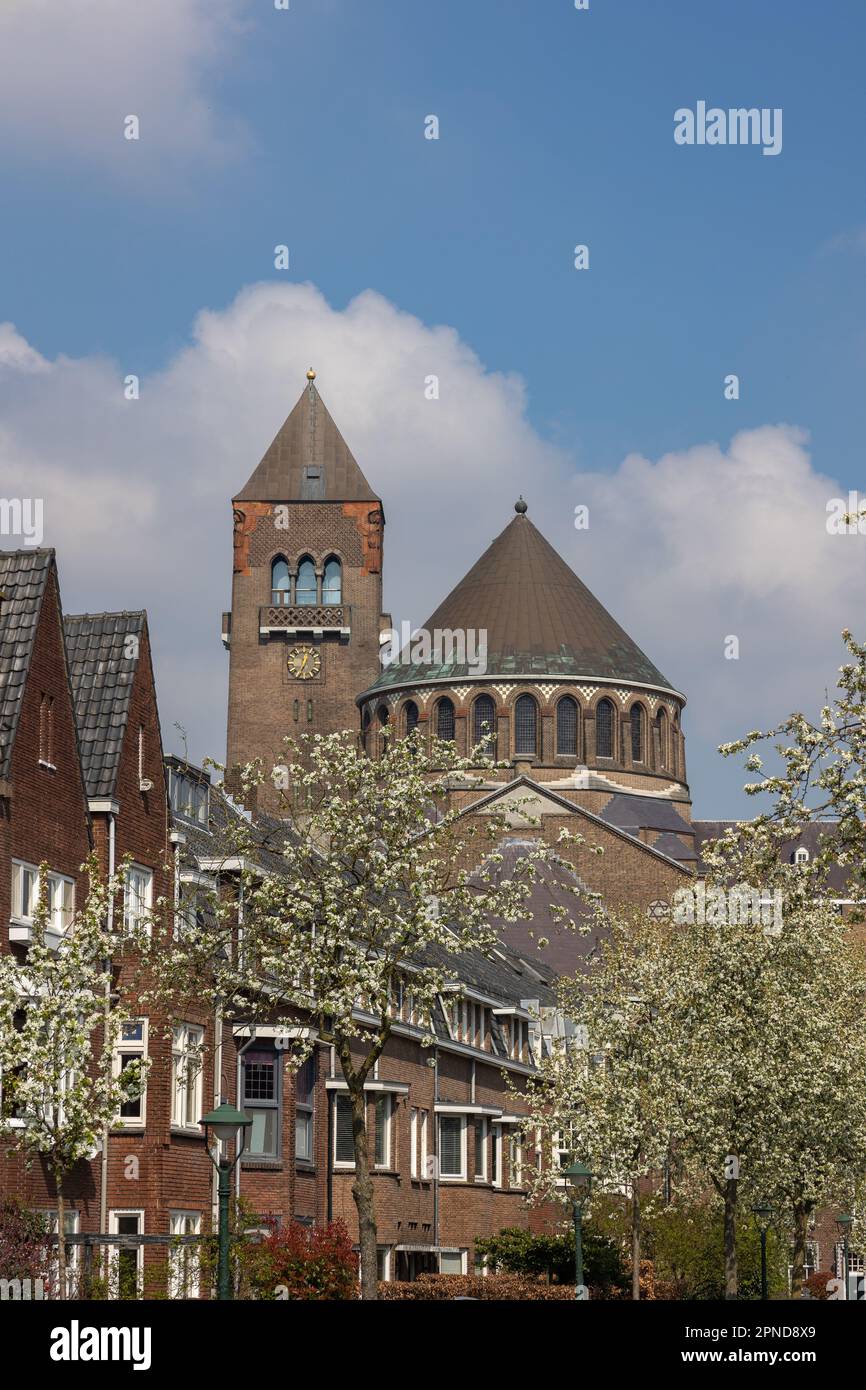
843	1226
764	1215
227	1124
578	1181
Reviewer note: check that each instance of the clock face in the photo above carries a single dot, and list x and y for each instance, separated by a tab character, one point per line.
304	662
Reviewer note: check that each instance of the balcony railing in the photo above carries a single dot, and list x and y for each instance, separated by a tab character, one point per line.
318	617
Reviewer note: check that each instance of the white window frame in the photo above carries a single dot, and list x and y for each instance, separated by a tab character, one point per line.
453	1177
515	1164
133	913
414	1127
114	1216
497	1156
482	1124
136	1047
61	913
386	1100
187	1047
184	1261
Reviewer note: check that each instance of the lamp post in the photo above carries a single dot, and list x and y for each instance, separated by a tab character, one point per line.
578	1181
764	1215
227	1124
843	1226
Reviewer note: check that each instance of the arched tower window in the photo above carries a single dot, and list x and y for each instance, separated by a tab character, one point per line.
445	718
525	724
604	729
305	584
662	727
484	712
566	726
382	715
281	584
365	725
410	716
332	587
637	733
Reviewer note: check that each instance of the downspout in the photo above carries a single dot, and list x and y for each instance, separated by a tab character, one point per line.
435	1147
103	1193
329	1168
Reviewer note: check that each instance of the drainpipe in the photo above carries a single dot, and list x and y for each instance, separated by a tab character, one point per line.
103	1192
435	1147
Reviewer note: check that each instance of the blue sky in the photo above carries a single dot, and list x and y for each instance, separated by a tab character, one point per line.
556	127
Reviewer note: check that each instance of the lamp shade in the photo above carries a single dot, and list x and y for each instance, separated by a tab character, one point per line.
225	1121
578	1180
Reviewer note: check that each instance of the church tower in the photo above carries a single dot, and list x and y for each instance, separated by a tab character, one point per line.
303	632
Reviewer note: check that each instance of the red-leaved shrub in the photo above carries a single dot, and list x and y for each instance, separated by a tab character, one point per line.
308	1262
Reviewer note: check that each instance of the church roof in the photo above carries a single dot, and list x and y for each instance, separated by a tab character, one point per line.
541	620
308	460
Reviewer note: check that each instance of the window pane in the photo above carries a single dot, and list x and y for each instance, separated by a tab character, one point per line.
332	587
524	725
450	1147
303	1135
604	729
484	712
305	586
259	1077
480	1148
566	726
383	1111
445	719
344	1146
263	1132
636	733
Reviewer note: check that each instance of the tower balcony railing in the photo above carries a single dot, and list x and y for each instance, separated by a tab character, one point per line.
293	618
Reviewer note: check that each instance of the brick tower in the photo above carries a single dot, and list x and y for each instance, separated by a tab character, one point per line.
303	632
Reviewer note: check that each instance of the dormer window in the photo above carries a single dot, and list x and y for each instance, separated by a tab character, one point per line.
188	796
313	482
800	856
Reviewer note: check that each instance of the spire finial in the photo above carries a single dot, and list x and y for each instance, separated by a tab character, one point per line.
311	375
520	506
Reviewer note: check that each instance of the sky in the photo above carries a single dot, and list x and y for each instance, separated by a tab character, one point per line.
604	387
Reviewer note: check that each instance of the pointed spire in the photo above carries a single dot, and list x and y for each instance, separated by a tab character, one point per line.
308	460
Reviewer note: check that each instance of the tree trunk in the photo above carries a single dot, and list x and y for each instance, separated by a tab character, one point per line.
362	1192
801	1225
635	1241
731	1281
61	1243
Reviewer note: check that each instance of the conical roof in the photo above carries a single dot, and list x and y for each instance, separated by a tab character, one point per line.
541	620
308	460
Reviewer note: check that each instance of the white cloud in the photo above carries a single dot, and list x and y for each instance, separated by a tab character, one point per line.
684	551
72	70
